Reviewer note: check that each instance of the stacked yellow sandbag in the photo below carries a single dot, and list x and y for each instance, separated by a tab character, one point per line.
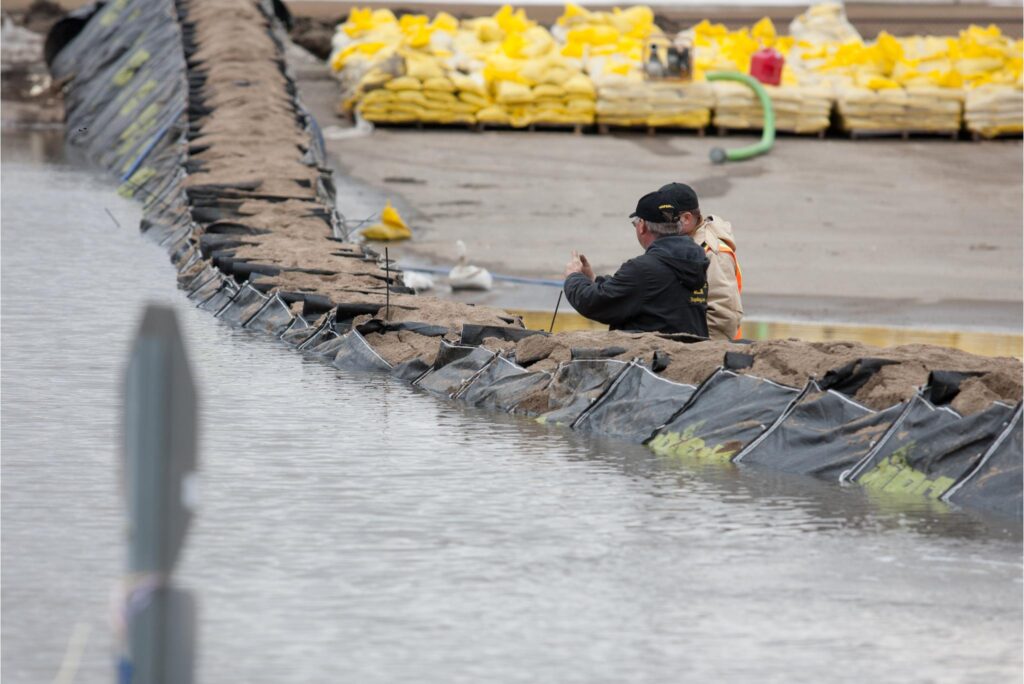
992	110
529	79
610	46
893	84
501	69
654	104
992	68
798	108
929	77
802	103
364	52
403	70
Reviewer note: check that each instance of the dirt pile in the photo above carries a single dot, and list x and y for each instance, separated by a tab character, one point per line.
788	362
403	345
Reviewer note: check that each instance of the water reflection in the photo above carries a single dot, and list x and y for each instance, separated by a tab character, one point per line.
354	529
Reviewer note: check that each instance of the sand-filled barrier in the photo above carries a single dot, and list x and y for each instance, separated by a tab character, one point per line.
191	104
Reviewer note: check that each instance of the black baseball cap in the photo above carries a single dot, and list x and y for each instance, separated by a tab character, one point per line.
681	196
656	207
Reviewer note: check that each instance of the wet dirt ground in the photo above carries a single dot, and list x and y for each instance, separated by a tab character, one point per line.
923	232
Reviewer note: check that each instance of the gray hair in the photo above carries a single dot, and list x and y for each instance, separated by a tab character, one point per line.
672	228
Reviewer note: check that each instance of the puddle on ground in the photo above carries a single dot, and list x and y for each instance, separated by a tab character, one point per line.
983	343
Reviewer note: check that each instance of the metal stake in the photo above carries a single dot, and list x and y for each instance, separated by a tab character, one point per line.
555	315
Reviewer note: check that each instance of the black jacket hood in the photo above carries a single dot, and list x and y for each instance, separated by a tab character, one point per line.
683	257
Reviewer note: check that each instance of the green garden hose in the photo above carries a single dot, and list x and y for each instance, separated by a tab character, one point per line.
720	156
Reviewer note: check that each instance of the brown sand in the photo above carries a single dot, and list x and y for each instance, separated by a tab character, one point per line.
400	346
977	394
892	384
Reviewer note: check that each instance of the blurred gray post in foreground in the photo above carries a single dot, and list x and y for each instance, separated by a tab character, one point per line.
159	472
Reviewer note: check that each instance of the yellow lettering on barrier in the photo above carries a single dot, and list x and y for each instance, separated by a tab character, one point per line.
128	70
687	446
144	90
895	474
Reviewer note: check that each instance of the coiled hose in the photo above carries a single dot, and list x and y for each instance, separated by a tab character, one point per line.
719	155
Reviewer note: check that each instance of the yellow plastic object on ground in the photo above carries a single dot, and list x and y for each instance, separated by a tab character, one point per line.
390	228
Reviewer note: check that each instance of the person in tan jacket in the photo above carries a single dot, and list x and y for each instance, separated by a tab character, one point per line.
725	279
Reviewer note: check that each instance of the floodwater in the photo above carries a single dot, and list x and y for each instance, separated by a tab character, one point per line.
352	529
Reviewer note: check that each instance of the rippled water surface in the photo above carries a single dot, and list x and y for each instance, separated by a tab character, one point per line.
355	530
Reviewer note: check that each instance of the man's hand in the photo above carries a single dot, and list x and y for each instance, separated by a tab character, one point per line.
579	264
587	270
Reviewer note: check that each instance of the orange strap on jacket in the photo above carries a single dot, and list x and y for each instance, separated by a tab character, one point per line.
722	247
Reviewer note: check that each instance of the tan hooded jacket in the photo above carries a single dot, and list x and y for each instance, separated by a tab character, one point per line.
725	280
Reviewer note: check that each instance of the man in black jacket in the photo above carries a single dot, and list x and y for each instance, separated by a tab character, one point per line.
663	290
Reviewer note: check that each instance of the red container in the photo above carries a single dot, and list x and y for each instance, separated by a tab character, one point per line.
766	66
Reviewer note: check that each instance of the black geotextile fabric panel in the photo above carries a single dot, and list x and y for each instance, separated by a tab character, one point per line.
943	386
322	331
576	385
850	378
297	332
220	298
454	365
824	434
242	306
376	325
995	485
353	353
636	404
129	93
929	448
411	370
327	348
206	289
727	412
274	318
190	283
503	384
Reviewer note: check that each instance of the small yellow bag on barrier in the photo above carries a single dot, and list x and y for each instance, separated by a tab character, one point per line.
391	226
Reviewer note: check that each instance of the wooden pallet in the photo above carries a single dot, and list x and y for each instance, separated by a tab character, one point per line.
976	136
725	130
575	129
904	134
607	128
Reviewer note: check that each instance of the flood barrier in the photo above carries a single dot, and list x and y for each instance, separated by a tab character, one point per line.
190	104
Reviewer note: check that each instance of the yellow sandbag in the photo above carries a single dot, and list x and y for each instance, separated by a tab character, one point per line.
423	68
493	114
439	83
391	226
474	99
404	83
436	96
379	95
548	90
468	84
509	92
411	96
579	85
556	75
580	105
